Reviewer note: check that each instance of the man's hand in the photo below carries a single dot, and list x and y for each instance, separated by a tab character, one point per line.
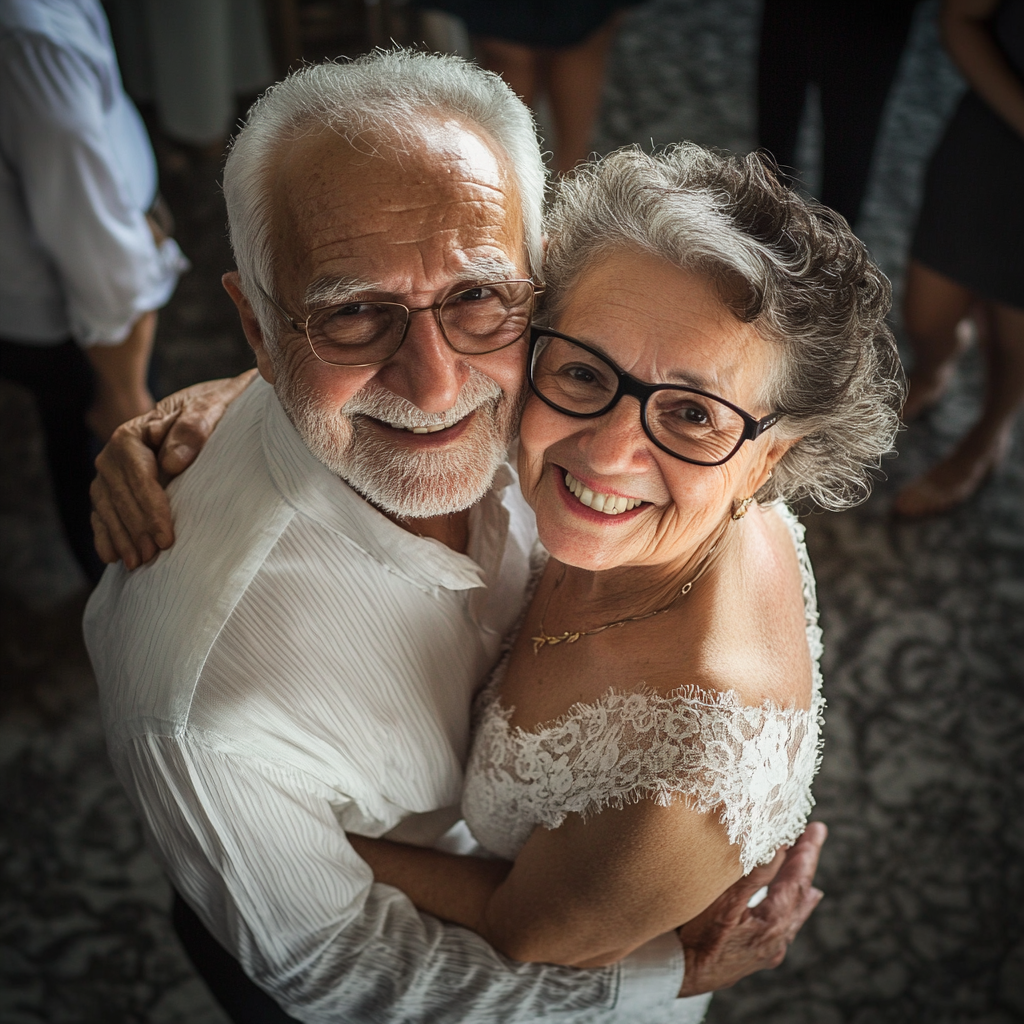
131	518
730	940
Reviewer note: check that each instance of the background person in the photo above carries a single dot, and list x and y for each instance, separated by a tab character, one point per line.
850	49
82	267
555	50
192	59
967	255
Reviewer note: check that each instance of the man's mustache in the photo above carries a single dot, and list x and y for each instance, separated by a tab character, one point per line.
381	404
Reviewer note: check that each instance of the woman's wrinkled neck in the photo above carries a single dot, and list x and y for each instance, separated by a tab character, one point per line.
639	589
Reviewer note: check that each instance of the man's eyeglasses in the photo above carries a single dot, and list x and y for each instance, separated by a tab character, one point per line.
474	321
688	423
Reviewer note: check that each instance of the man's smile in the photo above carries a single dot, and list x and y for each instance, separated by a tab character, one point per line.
436	431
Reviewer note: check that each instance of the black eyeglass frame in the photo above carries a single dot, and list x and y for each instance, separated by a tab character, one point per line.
642	391
302	326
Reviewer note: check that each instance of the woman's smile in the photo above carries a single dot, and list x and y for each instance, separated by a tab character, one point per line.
607	502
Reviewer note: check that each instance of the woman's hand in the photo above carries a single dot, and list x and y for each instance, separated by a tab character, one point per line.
131	518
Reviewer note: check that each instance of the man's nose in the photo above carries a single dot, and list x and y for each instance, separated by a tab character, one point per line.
426	370
616	442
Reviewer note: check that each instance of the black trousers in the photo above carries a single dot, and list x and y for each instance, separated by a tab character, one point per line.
242	1000
61	381
850	49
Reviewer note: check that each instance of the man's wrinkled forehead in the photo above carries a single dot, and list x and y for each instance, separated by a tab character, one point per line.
340	200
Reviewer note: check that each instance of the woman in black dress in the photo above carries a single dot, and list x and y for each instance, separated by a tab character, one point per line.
543	46
967	258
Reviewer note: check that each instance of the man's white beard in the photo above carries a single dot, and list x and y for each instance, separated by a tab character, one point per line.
405	483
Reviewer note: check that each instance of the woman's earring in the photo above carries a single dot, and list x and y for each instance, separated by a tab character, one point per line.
740	506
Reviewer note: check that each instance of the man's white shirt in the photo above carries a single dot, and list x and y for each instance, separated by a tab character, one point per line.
295	666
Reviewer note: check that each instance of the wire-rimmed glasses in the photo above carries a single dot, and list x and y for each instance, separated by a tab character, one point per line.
473	321
688	423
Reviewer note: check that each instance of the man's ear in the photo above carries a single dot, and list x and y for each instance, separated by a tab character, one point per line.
251	326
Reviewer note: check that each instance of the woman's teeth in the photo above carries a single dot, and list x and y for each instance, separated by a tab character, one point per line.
610	504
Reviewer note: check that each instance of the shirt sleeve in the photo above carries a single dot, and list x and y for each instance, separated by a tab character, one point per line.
79	197
257	850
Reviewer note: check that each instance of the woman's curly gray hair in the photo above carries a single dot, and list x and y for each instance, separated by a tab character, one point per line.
790	267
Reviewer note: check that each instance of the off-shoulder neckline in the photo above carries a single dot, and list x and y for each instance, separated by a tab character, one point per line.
689	694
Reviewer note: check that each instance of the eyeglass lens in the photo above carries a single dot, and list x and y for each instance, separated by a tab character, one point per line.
691	425
477	320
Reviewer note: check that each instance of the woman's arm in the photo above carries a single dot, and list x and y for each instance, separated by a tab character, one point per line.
967	33
451	887
590	892
585	894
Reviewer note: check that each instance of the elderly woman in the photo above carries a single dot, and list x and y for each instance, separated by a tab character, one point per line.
711	347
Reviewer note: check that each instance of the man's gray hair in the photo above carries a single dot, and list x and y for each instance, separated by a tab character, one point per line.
384	91
790	267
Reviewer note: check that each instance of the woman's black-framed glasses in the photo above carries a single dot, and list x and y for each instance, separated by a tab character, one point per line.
473	321
685	422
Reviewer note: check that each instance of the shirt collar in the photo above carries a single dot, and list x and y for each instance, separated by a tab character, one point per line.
316	492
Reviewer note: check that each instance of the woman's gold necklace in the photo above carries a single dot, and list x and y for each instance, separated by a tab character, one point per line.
570	637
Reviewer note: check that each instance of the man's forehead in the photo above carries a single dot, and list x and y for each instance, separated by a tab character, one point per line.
437	163
439	184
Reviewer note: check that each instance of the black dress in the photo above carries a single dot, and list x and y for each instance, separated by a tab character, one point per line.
534	23
851	50
971	226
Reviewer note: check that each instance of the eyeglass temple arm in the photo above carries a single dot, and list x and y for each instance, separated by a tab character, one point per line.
296	325
758	427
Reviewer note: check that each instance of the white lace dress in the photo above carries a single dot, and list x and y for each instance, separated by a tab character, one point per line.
754	764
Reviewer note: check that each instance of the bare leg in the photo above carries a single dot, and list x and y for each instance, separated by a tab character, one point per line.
517	64
960	474
575	80
932	308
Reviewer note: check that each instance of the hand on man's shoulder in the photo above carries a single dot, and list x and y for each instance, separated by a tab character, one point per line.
131	517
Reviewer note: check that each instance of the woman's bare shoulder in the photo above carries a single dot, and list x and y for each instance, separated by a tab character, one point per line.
752	639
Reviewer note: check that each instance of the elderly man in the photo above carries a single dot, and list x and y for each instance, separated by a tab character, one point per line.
351	548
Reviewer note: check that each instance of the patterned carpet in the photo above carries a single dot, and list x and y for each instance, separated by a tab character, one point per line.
924	672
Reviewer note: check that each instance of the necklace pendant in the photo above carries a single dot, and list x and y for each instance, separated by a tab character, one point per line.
546	640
